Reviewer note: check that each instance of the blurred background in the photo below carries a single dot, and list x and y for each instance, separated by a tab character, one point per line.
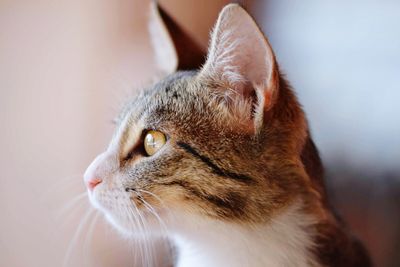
66	67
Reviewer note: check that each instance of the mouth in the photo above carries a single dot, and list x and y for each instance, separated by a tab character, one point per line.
130	214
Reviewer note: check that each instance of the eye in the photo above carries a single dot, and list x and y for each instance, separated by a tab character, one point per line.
153	141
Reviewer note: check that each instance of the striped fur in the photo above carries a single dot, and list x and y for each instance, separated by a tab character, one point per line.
239	177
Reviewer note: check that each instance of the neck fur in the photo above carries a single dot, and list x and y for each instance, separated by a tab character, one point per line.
286	240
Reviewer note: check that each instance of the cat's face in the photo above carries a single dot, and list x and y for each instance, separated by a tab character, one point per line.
228	144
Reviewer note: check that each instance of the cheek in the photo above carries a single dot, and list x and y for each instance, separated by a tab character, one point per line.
222	200
173	199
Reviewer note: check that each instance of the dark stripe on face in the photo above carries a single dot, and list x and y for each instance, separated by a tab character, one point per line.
229	204
217	170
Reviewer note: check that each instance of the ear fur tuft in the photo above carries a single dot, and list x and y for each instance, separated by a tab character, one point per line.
241	64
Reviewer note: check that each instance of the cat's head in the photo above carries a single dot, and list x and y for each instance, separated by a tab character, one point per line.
223	142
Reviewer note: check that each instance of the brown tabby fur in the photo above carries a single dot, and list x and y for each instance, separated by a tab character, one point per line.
225	170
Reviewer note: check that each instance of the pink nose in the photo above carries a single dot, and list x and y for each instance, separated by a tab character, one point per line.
92	183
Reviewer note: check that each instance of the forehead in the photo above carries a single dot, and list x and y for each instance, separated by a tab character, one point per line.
175	95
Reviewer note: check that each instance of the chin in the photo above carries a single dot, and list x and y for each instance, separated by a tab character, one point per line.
129	220
121	226
150	228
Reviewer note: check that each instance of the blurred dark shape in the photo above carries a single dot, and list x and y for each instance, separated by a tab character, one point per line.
370	205
191	55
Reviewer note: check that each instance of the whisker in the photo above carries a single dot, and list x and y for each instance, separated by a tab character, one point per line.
154	195
153	212
138	243
137	226
76	235
145	242
148	246
70	204
89	237
167	213
61	185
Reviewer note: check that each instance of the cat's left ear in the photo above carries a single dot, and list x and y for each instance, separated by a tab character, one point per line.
241	64
174	48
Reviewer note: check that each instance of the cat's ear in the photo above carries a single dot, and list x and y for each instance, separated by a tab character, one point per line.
242	65
173	48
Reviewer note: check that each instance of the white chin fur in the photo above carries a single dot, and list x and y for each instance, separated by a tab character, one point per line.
126	220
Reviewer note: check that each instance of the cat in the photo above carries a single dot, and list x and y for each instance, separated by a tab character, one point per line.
220	159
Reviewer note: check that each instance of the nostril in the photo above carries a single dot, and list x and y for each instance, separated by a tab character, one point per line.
92	183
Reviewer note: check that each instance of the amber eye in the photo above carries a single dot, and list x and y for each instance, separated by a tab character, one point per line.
153	141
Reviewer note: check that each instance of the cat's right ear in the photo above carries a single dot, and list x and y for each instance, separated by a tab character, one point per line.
173	48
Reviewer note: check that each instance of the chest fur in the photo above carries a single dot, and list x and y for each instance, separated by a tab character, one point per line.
285	241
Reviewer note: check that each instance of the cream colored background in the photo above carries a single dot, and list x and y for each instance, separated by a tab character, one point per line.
65	68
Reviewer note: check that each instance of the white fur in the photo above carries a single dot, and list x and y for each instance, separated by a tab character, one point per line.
285	241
